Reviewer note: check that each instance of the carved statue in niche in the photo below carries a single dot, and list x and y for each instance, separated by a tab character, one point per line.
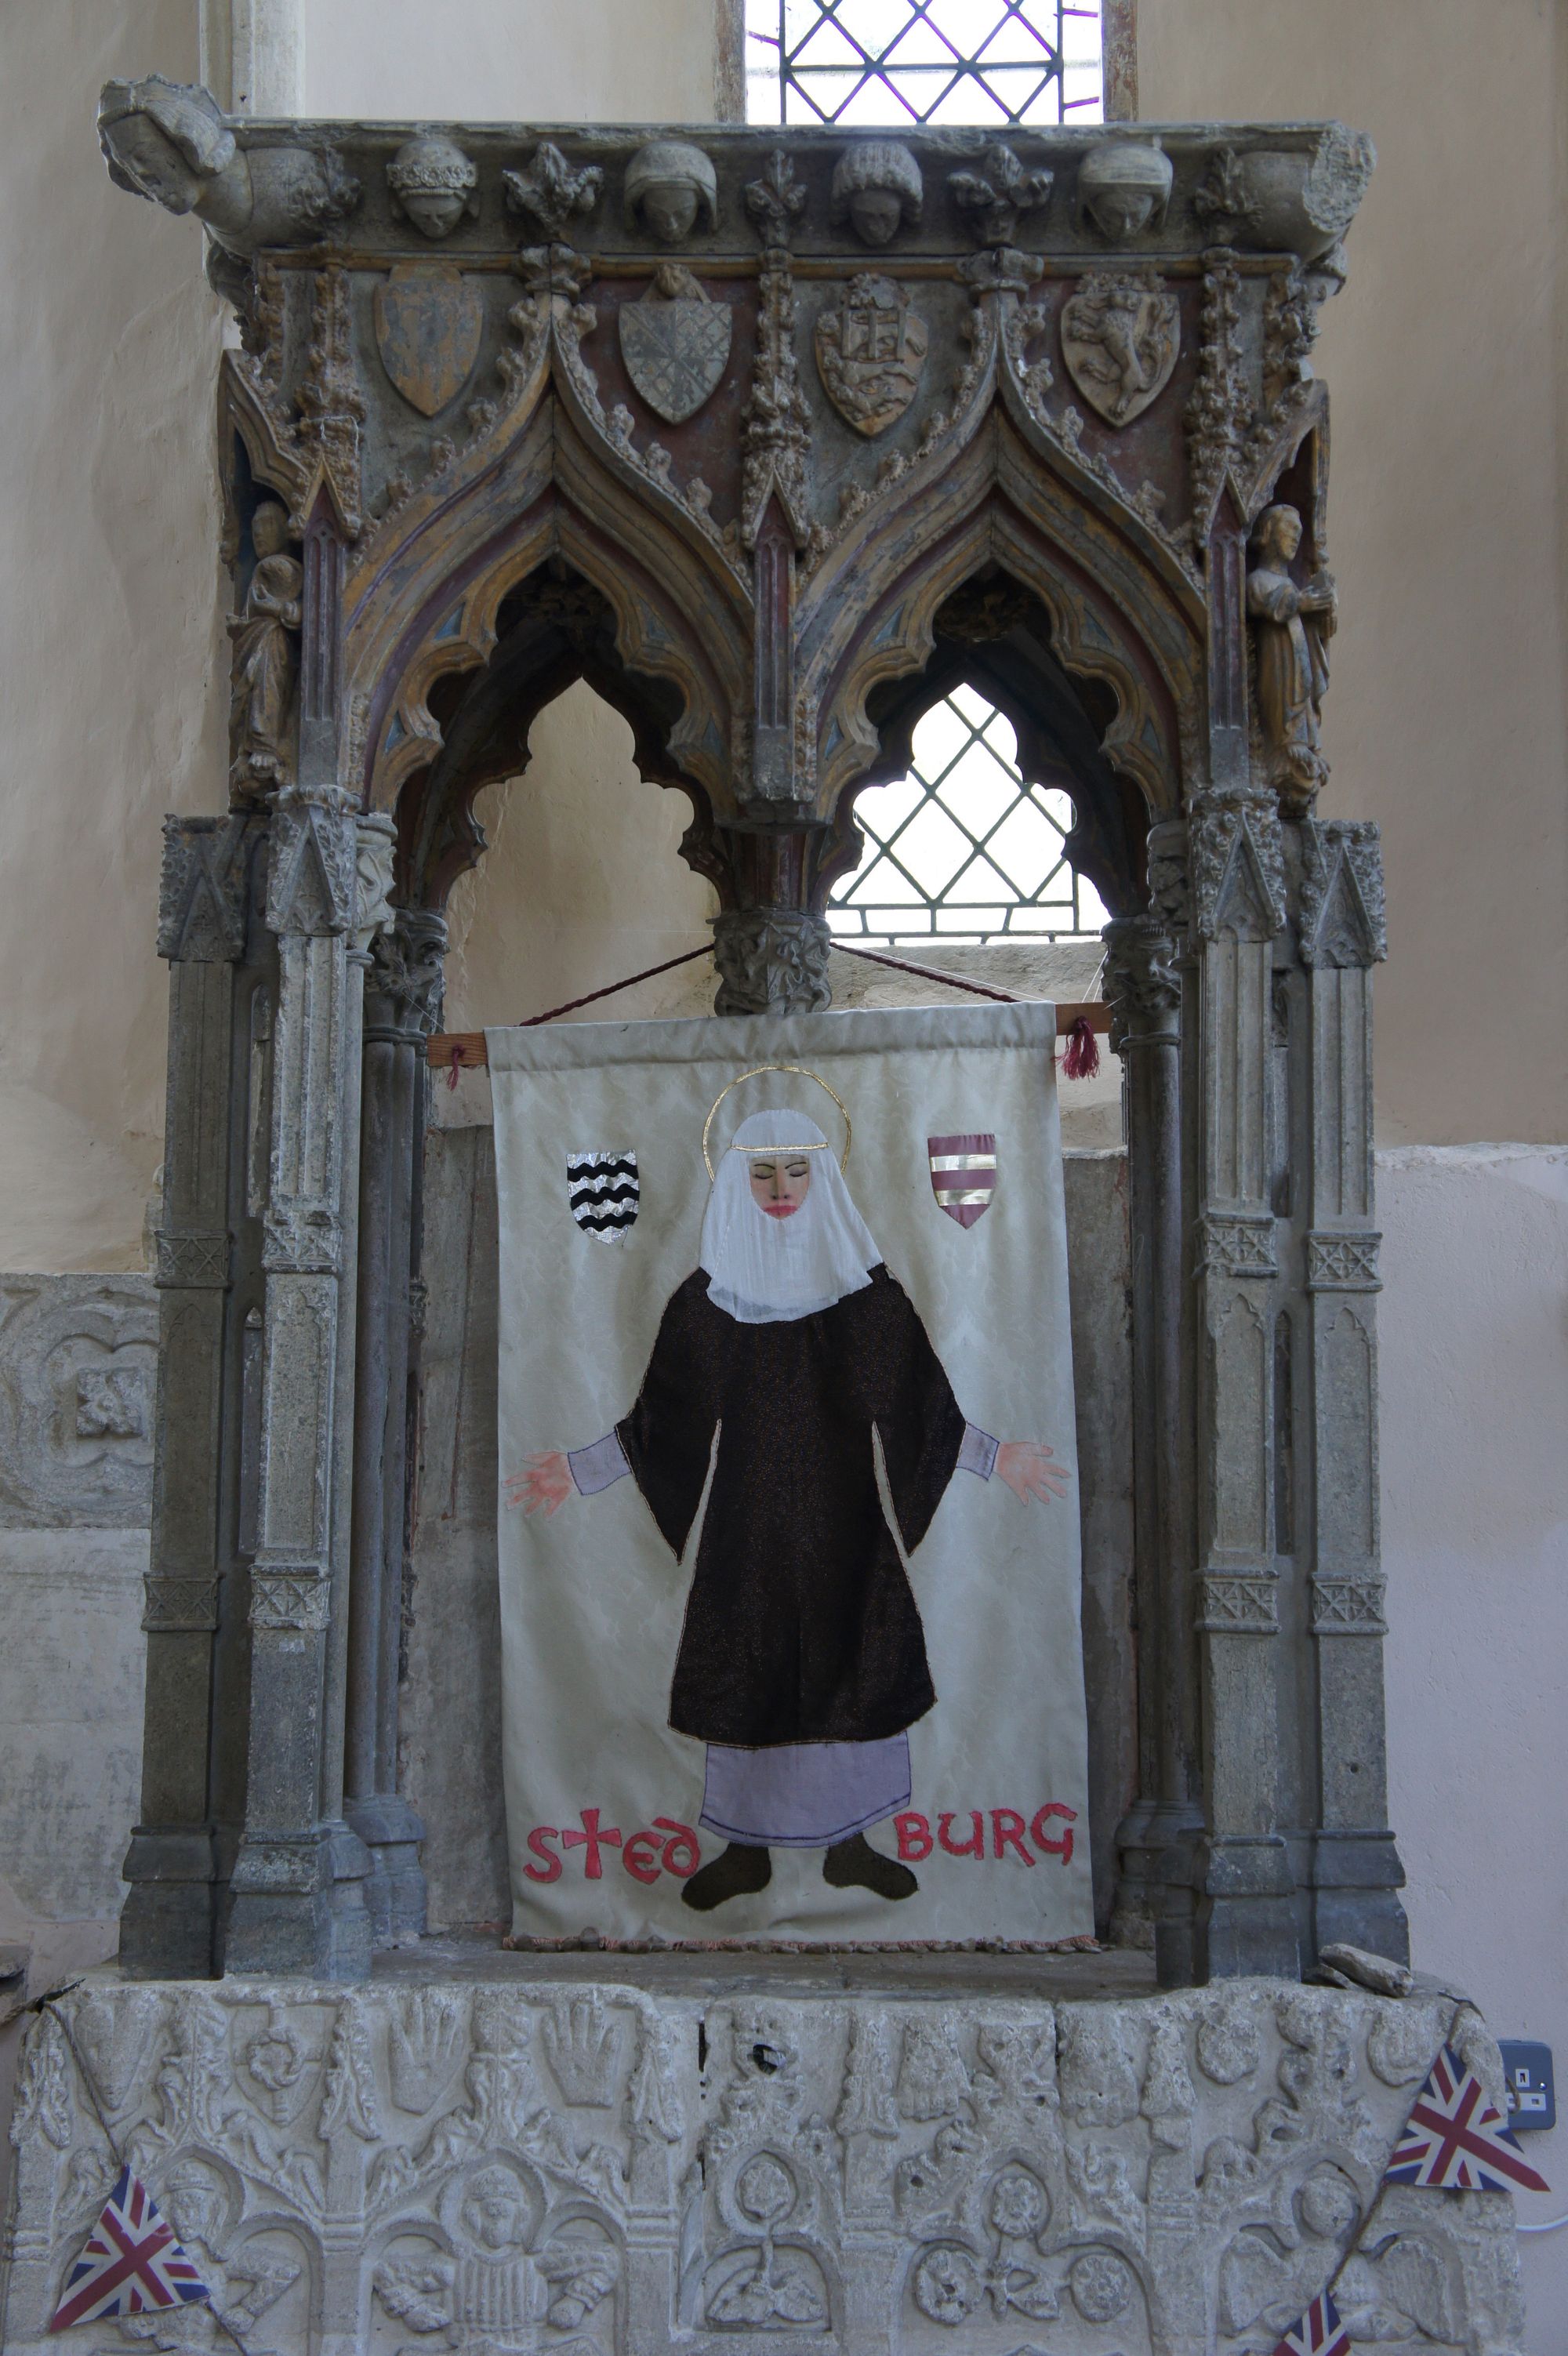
434	184
266	660
669	185
1291	630
1125	188
876	188
169	142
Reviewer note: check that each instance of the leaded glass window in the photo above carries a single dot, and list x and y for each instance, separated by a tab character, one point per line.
902	61
961	848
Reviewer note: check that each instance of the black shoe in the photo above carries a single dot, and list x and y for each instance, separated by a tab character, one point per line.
853	1864
738	1871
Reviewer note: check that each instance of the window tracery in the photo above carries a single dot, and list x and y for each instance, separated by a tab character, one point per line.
897	62
962	848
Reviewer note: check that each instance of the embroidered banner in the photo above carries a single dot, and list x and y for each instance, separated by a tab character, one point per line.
789	1536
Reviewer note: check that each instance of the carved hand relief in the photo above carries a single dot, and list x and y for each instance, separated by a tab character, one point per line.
871	349
1120	335
430	321
675	342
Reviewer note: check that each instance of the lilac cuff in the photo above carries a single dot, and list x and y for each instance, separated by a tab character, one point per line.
593	1469
977	1453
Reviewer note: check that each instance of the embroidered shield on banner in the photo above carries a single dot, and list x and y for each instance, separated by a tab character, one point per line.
964	1174
602	1189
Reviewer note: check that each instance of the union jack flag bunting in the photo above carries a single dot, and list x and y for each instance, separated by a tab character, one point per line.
1318	2332
132	2261
1456	2140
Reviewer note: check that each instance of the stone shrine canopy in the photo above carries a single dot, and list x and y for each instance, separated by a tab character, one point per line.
774	437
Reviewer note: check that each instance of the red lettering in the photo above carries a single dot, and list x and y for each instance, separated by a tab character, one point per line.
914	1836
1063	1848
1007	1832
551	1868
593	1840
975	1848
640	1857
682	1854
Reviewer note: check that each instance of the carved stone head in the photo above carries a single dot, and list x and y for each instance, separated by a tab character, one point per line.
1277	535
876	188
669	184
163	140
433	184
1124	188
269	529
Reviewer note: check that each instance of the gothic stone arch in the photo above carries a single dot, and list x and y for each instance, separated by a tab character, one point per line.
497	423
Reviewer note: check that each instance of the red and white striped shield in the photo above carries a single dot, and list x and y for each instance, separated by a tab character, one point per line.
963	1173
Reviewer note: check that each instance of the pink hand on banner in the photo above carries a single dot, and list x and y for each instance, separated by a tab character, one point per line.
545	1485
1025	1467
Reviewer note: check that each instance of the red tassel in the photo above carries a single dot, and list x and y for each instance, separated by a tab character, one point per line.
1082	1060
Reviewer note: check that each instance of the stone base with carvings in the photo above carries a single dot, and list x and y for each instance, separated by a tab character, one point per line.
675	2157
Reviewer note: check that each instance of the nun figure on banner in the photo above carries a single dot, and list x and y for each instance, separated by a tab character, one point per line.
803	1661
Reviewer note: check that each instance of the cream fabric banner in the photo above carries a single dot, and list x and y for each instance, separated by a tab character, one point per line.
745	1545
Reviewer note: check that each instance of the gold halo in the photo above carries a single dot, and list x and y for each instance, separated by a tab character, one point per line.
756	1073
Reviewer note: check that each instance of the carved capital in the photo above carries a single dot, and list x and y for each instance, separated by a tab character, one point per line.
177	1604
1170	885
1237	1604
375	844
772	961
1237	864
298	1599
201	900
1142	984
1337	1262
192	1263
301	1239
1348	1607
311	865
1236	1245
403	986
1341	917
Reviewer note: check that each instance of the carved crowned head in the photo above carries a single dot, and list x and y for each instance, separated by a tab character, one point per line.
434	184
877	189
163	140
1124	187
669	184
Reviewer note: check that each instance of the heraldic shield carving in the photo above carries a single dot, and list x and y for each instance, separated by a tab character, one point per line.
675	343
429	323
1121	334
870	351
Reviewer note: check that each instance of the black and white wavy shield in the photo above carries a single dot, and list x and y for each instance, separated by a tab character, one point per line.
602	1189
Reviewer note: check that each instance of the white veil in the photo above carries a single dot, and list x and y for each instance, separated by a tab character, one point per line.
763	1269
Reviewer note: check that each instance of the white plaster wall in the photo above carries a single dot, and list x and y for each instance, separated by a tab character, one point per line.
111	627
1444	356
1474	1339
509	61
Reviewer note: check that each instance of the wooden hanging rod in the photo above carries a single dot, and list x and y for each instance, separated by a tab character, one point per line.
467	1048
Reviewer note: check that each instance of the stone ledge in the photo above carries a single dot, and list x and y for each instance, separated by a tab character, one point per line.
518	2163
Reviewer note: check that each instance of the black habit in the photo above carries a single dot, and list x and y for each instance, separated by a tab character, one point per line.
801	1625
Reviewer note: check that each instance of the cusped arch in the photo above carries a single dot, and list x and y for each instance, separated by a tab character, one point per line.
1121	611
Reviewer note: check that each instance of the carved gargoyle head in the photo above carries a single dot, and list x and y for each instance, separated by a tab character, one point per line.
877	189
669	184
434	184
163	140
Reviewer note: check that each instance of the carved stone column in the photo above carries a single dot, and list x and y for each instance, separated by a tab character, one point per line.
1335	871
297	1903
167	1926
1154	1897
1247	1918
770	943
402	1006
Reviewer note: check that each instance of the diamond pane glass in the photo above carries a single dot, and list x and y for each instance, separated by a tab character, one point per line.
962	848
885	63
